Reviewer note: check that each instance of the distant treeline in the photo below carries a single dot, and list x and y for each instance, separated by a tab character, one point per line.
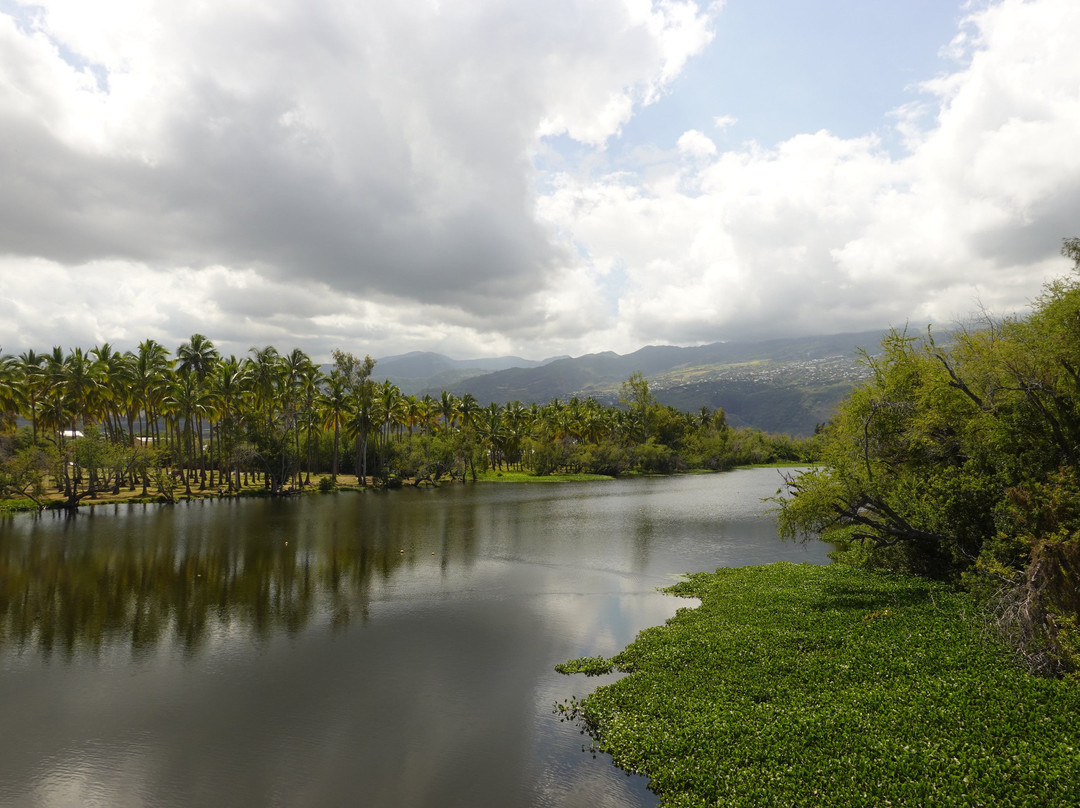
102	420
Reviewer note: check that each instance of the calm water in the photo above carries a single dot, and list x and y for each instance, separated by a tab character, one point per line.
355	649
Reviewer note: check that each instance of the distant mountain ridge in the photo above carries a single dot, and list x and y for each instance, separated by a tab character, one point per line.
416	370
779	385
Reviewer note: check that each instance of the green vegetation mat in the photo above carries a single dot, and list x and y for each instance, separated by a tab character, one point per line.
796	685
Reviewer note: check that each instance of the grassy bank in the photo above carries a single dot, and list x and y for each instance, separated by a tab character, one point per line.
797	685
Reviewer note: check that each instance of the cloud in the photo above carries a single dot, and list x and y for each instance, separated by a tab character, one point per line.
825	234
380	150
365	176
696	144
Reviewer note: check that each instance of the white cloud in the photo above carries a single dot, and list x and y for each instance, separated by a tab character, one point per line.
359	175
696	144
381	150
827	234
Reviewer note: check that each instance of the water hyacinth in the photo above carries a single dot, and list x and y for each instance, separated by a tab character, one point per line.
832	686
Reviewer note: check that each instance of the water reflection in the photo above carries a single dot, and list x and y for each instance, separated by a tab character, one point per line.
390	650
197	570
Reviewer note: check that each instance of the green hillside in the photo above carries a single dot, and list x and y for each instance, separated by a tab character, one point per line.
781	385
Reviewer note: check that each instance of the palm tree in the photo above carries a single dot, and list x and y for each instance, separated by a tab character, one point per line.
428	413
295	367
518	424
126	401
265	374
190	400
103	357
54	410
227	387
149	377
198	356
388	402
11	392
335	403
494	433
413	413
467	409
82	385
447	410
267	379
310	389
33	383
360	423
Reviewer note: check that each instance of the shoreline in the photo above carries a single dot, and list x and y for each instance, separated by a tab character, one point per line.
346	482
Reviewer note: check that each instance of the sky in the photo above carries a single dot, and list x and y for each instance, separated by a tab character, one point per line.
515	177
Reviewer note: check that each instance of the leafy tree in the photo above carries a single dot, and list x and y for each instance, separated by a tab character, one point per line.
959	459
23	472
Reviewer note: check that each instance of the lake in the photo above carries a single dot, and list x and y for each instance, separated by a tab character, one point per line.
376	649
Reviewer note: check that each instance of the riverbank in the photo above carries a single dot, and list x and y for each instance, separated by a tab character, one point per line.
800	685
55	499
346	482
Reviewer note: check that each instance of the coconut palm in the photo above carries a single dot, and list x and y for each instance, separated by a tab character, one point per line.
82	381
265	375
150	372
389	405
114	392
188	399
198	356
447	407
334	402
310	389
226	385
494	432
428	412
360	423
296	367
467	409
33	383
11	391
518	420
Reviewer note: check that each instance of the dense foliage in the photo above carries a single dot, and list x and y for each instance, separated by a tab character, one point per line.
961	461
101	420
832	686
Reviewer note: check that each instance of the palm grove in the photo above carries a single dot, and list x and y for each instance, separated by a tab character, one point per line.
166	425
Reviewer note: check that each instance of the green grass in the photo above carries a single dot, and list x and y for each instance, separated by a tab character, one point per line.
17	505
492	476
795	685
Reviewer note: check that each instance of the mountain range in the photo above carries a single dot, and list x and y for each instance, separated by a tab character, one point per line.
780	385
420	371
